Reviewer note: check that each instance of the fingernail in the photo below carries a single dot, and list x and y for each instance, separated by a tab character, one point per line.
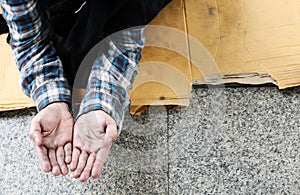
84	178
76	175
72	167
55	173
65	171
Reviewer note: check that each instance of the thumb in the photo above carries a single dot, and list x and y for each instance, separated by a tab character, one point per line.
111	131
35	132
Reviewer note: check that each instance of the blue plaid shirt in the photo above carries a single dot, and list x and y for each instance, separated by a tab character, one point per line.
42	74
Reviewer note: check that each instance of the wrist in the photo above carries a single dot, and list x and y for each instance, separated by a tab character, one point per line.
58	105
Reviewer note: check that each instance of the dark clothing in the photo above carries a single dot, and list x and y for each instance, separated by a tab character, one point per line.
98	18
3	25
77	33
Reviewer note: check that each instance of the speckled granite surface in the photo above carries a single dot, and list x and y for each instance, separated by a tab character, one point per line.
232	141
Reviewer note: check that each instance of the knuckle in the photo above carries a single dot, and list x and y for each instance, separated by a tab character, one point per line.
54	143
68	147
77	145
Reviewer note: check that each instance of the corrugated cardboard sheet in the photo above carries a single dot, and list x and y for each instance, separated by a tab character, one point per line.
243	41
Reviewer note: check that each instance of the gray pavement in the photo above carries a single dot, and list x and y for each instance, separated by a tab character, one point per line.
228	141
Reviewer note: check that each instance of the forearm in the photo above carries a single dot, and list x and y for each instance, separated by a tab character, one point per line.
112	76
42	76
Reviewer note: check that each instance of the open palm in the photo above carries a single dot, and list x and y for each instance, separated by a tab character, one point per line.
94	133
51	130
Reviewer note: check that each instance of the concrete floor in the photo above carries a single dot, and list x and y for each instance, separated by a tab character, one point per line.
228	141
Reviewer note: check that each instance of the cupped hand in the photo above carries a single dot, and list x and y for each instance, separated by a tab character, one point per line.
51	131
94	133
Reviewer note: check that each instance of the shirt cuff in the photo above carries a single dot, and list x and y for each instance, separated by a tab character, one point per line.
50	92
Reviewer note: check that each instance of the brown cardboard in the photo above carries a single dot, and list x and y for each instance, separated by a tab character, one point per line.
164	76
11	97
243	41
249	36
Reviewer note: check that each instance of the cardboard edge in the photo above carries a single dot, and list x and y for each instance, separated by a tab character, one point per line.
252	78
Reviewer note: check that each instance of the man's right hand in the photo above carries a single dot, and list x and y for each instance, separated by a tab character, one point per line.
51	131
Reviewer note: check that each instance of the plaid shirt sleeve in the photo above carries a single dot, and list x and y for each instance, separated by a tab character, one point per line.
42	76
112	75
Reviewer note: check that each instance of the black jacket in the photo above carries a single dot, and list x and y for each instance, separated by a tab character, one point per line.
96	19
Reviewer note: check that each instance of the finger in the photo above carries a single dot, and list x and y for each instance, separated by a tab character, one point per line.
68	153
42	155
81	163
75	158
60	156
97	168
54	164
35	132
101	158
88	168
